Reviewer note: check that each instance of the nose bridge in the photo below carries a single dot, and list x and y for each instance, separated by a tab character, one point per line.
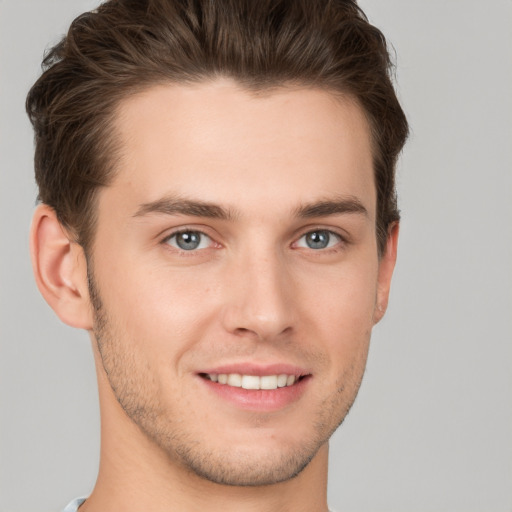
261	295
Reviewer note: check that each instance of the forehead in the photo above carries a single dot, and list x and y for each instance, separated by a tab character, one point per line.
220	143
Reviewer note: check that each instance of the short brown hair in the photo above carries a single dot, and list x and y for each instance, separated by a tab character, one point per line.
127	45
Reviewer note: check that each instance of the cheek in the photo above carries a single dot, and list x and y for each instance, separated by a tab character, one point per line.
343	301
151	303
340	320
164	313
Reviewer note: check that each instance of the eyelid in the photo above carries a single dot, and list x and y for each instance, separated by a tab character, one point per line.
342	239
188	229
167	233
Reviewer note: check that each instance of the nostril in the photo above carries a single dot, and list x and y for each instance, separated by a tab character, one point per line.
262	333
243	330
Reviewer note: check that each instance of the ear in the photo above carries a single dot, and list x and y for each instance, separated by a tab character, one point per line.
386	267
60	269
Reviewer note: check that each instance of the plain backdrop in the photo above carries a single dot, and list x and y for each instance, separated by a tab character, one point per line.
431	429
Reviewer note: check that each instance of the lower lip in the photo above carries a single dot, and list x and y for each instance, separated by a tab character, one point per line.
264	400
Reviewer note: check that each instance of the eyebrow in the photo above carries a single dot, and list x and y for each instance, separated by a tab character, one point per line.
179	206
336	206
197	208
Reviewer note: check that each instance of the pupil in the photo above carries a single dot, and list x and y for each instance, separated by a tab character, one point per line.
317	239
188	240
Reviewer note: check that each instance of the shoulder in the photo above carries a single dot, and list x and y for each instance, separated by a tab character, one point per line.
73	505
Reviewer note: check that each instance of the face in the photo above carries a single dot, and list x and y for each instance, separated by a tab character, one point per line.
235	274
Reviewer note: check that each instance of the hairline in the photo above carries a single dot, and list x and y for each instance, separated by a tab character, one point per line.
257	90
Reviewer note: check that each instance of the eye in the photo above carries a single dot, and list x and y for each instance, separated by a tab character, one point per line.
189	240
319	239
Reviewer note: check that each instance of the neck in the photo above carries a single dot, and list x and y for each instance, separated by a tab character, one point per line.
134	479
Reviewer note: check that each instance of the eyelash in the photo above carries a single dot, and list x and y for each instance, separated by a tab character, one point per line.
175	234
341	240
331	234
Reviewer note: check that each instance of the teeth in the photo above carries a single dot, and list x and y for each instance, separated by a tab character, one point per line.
281	380
268	382
253	381
250	382
235	380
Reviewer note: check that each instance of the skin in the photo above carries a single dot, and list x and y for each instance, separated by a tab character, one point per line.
254	292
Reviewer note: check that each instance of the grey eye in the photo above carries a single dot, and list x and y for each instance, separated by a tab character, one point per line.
319	239
189	240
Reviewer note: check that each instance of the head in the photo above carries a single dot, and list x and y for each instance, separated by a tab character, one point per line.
224	173
125	47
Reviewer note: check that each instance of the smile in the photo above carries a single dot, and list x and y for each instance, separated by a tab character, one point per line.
257	388
237	380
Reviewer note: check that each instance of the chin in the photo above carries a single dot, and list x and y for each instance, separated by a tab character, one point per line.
245	458
247	468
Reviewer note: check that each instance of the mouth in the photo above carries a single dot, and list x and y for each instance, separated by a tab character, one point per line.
255	388
254	382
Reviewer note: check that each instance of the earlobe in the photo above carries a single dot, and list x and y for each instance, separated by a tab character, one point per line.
386	267
60	269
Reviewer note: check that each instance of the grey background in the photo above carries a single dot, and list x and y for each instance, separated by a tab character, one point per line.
432	427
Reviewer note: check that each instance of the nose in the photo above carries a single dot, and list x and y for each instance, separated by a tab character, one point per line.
260	301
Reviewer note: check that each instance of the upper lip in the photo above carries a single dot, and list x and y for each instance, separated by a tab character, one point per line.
256	369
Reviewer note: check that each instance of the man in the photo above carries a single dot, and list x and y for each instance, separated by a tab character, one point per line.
218	210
